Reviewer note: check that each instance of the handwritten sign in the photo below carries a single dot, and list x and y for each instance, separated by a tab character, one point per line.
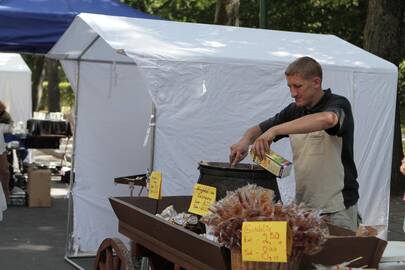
266	241
203	197
155	185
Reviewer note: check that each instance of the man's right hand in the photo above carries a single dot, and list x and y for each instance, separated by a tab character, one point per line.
238	152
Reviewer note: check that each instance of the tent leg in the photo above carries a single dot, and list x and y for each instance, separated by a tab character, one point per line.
75	265
152	125
145	264
68	247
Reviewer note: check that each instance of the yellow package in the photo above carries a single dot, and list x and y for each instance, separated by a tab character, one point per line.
274	163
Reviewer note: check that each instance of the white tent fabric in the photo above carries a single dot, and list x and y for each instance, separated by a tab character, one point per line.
15	86
110	128
209	84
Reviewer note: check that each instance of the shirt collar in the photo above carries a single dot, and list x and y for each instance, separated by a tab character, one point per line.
326	95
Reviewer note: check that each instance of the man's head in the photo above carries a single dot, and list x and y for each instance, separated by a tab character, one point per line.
304	78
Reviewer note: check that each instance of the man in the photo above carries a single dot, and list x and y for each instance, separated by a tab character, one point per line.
320	127
5	126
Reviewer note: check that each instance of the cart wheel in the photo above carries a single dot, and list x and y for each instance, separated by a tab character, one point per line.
113	255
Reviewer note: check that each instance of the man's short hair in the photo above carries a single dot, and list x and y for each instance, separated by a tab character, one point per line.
306	67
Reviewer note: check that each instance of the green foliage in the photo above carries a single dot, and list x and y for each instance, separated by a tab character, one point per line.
343	18
67	97
198	11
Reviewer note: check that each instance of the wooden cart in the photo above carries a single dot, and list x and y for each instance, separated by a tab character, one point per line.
171	246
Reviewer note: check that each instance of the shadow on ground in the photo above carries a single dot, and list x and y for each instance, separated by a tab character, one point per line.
34	238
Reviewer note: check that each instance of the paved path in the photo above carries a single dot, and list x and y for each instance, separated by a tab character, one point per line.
34	238
396	219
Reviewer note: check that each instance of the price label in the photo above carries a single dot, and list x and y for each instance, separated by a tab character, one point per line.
203	197
266	241
155	185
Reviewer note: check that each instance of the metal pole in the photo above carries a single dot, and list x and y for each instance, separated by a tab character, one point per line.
69	240
264	8
152	125
75	265
68	247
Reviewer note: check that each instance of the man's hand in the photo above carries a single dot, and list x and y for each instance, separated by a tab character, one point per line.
238	152
262	144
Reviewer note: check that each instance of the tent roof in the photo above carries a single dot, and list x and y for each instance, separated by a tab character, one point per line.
34	26
175	41
13	62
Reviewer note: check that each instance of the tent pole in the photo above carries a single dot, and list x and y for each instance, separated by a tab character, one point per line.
152	125
75	265
68	247
69	240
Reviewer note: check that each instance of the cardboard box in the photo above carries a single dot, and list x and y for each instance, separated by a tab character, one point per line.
39	187
274	163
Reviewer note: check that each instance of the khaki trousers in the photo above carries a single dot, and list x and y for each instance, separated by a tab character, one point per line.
347	218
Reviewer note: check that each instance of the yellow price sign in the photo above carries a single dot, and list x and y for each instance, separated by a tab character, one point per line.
155	185
203	197
266	241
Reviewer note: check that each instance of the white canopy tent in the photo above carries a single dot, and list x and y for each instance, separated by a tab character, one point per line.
15	86
209	84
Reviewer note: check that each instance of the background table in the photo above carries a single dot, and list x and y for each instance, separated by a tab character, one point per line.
37	127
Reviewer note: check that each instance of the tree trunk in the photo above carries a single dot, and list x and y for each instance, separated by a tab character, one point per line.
227	12
53	85
36	80
382	37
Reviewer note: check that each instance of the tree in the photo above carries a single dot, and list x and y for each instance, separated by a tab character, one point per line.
52	77
198	11
227	12
36	64
382	36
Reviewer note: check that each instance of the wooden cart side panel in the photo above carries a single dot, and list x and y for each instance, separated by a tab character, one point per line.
157	232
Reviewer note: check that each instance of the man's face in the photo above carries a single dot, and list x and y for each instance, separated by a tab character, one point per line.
304	92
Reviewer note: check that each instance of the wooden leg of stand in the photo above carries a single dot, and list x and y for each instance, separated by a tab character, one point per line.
159	263
156	262
133	248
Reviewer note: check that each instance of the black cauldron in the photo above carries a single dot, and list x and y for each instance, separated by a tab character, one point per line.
226	178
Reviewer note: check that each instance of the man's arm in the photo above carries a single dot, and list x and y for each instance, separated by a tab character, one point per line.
302	125
240	149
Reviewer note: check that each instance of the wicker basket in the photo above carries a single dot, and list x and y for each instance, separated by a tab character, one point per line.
237	264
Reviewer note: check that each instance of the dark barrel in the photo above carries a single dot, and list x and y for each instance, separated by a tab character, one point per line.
226	178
